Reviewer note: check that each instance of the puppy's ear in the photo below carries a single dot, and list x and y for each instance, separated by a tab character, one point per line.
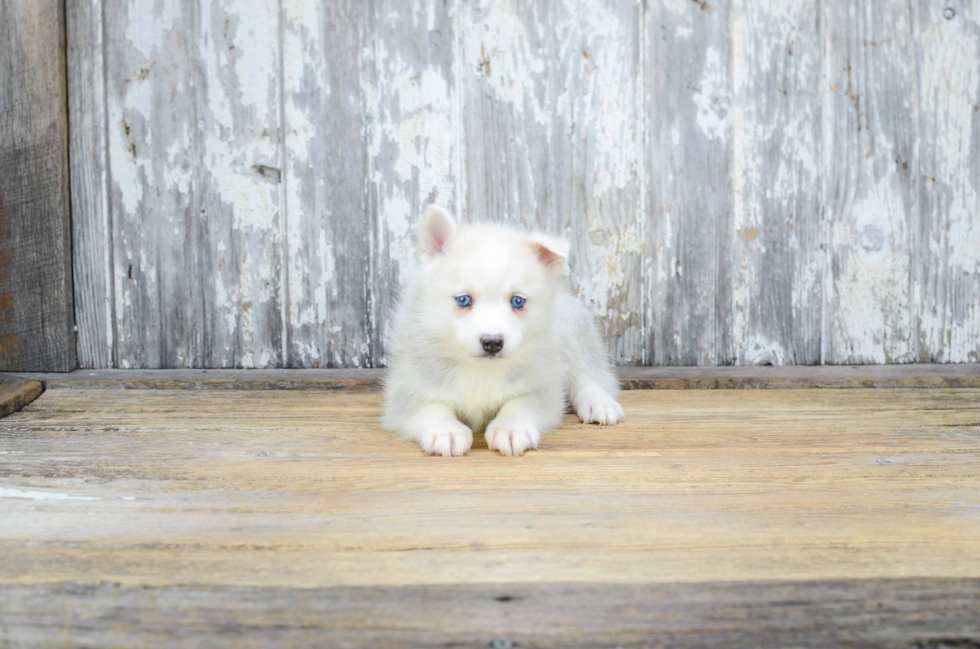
551	251
436	231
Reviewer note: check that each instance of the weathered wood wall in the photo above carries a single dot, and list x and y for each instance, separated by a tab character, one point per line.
36	313
789	182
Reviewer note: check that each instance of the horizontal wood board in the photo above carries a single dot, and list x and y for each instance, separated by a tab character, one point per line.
261	518
631	378
831	614
16	392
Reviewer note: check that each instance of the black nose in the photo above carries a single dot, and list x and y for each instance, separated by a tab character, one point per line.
492	344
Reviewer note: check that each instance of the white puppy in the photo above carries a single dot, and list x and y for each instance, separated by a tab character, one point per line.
486	337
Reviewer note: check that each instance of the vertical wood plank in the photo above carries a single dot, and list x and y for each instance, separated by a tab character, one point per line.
36	312
328	229
415	138
554	139
870	199
193	131
777	234
371	138
689	108
91	226
947	253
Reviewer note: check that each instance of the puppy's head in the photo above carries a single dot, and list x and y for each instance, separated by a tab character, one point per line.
486	291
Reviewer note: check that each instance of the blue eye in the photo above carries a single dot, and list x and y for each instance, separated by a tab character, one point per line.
464	300
517	302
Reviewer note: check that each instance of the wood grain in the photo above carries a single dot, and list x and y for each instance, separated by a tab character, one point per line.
688	101
553	140
92	230
414	139
777	237
161	488
328	224
36	313
830	614
15	393
743	183
194	157
711	518
870	202
947	235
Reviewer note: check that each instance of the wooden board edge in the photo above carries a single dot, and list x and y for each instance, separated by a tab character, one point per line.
923	613
17	392
235	383
631	378
798	383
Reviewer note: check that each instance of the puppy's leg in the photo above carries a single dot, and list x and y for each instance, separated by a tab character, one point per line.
520	422
592	383
437	431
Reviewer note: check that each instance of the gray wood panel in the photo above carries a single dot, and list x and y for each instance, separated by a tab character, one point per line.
371	115
194	158
36	313
553	140
946	264
777	236
870	199
689	201
328	232
91	224
415	142
743	183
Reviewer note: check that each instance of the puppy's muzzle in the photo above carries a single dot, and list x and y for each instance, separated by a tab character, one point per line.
492	344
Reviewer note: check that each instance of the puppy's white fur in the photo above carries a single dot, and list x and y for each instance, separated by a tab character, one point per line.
443	384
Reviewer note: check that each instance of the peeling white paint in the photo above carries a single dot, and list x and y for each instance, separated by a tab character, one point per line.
872	276
500	49
775	172
147	33
762	351
421	139
540	113
711	97
310	260
610	273
413	139
949	71
870	299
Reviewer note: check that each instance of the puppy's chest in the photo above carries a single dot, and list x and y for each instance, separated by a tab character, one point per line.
485	388
477	396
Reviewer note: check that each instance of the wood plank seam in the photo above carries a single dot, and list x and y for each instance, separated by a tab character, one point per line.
631	378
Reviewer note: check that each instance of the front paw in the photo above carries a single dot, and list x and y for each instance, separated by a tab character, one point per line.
512	438
596	406
447	440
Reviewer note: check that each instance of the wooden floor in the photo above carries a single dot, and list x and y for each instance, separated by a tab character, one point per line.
714	518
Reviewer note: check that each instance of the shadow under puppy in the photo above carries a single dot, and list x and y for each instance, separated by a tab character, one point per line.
486	336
